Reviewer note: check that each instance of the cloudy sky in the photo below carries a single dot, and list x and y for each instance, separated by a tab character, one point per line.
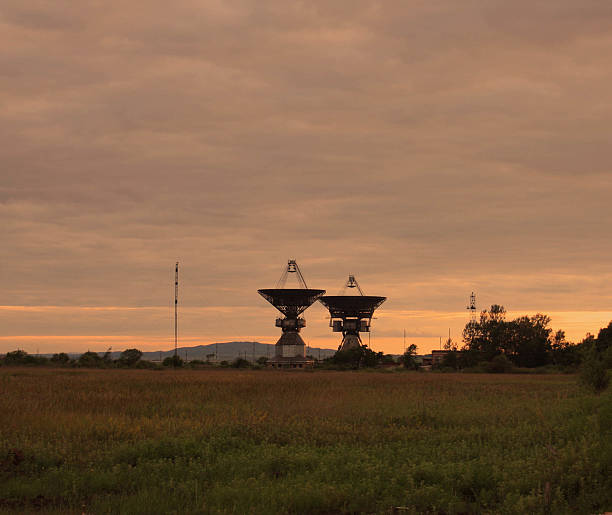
429	147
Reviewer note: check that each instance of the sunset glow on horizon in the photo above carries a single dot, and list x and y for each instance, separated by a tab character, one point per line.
387	332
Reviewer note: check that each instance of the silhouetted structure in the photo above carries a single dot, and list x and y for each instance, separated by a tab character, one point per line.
472	307
176	277
351	314
290	349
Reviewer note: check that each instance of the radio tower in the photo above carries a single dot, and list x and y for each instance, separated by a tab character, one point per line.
472	307
176	311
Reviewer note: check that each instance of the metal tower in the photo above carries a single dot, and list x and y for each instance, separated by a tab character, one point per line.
351	314
176	310
472	307
290	349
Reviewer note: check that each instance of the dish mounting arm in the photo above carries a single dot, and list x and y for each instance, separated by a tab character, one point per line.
292	268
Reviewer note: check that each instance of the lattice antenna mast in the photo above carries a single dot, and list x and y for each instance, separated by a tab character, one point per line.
472	307
176	277
351	283
292	268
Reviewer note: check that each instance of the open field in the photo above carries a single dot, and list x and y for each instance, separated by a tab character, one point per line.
231	441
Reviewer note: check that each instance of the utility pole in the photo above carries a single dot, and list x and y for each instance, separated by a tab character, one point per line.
404	341
176	277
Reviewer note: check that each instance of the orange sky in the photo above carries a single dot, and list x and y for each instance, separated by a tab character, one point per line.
430	148
387	335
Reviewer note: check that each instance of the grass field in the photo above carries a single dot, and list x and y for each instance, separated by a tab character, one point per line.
231	441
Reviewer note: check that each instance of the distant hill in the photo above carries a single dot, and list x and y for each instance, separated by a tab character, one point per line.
229	351
224	351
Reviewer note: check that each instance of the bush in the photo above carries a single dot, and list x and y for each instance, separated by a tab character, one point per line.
593	373
129	357
356	357
148	365
240	363
60	359
450	361
408	359
172	361
90	360
499	365
19	357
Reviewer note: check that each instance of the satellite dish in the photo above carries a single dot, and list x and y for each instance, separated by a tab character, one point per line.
351	314
290	349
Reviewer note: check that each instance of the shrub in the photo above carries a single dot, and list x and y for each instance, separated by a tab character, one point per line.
450	361
499	365
172	361
60	359
240	363
129	357
593	373
90	360
408	359
19	357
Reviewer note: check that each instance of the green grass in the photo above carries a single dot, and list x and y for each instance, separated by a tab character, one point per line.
232	441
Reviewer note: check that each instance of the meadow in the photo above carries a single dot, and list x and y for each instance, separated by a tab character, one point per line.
260	441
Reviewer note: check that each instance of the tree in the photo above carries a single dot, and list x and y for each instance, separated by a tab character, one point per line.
60	359
356	357
19	357
408	359
90	359
172	361
484	339
129	357
564	353
525	341
450	360
604	339
528	341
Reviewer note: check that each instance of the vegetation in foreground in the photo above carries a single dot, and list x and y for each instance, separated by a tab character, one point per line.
241	441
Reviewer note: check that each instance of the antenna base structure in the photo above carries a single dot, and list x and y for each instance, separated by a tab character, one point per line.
290	349
351	314
472	308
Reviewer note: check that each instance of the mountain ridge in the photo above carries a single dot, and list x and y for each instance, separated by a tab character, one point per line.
219	351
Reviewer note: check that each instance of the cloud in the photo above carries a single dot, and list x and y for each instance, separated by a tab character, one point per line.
429	148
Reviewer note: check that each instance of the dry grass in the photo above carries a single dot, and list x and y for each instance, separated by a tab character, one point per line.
229	441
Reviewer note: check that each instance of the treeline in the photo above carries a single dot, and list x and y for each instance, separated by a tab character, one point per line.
525	342
490	344
494	344
129	358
